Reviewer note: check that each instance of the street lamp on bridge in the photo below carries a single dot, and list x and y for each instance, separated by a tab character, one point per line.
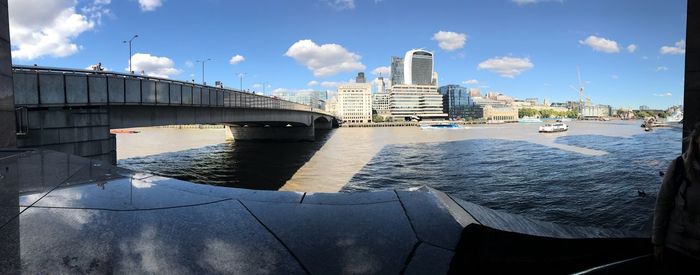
203	61
240	75
129	41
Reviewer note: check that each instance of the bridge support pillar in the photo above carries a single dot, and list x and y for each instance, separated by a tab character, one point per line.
78	131
323	125
7	101
301	133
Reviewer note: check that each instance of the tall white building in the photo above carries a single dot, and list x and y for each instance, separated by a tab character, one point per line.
355	102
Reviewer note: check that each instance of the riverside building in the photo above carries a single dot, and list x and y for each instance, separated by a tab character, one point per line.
355	102
456	101
407	102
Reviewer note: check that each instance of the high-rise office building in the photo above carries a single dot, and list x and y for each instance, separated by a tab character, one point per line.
360	78
396	70
418	68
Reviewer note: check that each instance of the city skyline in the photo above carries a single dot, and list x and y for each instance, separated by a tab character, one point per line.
627	56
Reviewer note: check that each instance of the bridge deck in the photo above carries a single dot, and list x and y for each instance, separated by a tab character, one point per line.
51	87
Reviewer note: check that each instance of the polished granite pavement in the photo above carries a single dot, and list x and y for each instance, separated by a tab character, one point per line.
66	214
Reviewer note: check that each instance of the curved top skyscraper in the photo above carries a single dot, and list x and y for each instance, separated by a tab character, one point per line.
418	67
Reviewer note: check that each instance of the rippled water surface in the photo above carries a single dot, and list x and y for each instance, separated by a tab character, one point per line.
534	180
588	176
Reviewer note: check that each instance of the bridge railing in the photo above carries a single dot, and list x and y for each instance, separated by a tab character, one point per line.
48	86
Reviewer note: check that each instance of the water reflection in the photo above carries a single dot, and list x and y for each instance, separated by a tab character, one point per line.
243	164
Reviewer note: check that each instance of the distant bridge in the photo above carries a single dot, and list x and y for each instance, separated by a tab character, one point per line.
72	110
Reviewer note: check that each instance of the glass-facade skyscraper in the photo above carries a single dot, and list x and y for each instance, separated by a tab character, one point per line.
456	101
418	67
396	70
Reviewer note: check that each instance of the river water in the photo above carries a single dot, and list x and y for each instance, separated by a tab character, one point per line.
588	176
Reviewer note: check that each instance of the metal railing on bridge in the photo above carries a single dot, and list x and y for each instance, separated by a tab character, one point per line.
36	86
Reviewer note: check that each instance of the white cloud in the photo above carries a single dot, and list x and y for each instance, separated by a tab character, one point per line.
331	84
661	68
150	5
526	2
236	59
342	4
664	94
324	60
614	76
312	83
645	57
189	64
257	86
601	44
506	66
677	48
450	41
153	65
631	48
384	71
471	81
41	28
96	10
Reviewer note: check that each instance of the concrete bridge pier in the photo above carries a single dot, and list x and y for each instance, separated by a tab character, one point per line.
77	131
323	124
280	133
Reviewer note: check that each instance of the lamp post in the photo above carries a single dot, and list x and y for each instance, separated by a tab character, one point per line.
240	75
203	61
129	41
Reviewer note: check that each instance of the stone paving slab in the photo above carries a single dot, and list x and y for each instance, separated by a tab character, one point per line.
341	239
431	219
350	198
226	192
218	238
120	194
430	259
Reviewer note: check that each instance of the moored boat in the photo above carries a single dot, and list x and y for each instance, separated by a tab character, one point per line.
439	125
553	128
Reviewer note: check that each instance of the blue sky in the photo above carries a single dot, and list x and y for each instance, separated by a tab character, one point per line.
523	48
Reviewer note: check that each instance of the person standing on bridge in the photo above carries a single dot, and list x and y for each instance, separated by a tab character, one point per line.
676	231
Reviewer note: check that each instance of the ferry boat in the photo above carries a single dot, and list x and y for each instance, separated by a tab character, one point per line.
439	125
554	127
564	119
527	119
676	117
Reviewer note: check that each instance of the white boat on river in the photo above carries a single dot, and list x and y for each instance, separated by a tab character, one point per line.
554	127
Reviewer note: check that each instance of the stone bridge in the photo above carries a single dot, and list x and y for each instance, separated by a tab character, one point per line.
72	111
